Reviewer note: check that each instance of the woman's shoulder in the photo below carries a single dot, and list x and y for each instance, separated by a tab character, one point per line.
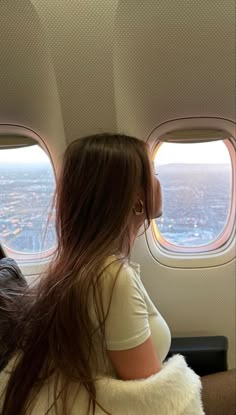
115	266
119	278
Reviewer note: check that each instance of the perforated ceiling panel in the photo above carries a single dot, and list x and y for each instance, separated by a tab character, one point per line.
28	89
80	35
112	65
173	59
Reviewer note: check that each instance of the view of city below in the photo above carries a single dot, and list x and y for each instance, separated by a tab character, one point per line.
197	201
25	202
196	204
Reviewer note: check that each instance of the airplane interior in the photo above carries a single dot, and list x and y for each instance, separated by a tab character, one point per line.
161	71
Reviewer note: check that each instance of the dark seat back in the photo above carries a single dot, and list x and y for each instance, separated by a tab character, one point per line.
205	355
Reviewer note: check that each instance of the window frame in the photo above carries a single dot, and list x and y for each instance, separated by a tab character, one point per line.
226	232
23	137
221	250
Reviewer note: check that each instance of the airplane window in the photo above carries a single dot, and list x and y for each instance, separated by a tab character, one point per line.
196	181
27	185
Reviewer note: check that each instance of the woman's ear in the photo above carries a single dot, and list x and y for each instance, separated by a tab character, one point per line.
138	208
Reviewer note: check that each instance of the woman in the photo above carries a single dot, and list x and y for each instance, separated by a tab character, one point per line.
90	315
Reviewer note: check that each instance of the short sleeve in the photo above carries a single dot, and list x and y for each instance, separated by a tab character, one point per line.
127	324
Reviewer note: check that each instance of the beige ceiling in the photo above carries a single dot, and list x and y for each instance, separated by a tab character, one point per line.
71	68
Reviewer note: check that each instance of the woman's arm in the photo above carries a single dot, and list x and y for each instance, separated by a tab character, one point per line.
137	363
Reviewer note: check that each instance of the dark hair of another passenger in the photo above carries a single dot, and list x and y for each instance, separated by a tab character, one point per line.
96	192
12	289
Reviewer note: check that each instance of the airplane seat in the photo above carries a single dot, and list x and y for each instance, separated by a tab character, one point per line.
205	355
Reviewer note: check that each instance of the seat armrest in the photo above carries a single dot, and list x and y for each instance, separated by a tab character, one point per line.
205	355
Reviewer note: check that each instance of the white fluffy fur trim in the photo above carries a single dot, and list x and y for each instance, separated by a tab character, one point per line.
175	390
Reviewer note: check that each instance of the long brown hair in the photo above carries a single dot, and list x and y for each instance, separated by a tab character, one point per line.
96	191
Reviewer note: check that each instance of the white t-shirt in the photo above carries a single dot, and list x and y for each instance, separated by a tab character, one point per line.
131	320
132	315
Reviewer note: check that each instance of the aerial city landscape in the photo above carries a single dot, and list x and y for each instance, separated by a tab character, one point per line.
196	204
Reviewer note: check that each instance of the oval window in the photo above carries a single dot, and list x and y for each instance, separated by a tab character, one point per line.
196	180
